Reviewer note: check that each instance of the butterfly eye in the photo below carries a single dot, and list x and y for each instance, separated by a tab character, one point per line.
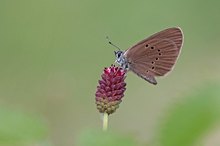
119	54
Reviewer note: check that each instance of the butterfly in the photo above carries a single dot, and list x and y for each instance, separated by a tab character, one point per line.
154	56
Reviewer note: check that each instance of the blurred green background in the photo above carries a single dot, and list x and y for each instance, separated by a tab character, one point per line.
52	53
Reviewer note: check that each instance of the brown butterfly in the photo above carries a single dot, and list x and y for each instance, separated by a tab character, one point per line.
154	56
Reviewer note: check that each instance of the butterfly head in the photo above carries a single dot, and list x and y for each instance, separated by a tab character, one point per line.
120	59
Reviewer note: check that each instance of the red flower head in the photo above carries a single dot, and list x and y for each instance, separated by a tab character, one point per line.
111	89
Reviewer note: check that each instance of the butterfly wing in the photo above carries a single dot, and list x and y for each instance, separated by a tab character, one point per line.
156	55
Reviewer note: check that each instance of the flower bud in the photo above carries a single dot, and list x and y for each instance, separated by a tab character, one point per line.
111	89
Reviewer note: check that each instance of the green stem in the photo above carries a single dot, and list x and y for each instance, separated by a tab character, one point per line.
105	122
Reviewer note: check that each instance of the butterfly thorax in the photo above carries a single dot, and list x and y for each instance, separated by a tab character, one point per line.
120	59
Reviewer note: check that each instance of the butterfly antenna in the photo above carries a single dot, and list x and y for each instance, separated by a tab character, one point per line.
112	43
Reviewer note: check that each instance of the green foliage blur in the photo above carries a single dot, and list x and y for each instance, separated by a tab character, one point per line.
52	54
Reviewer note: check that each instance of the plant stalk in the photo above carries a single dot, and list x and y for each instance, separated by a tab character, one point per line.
105	122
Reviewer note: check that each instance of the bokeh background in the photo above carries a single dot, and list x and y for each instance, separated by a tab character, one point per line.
52	53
